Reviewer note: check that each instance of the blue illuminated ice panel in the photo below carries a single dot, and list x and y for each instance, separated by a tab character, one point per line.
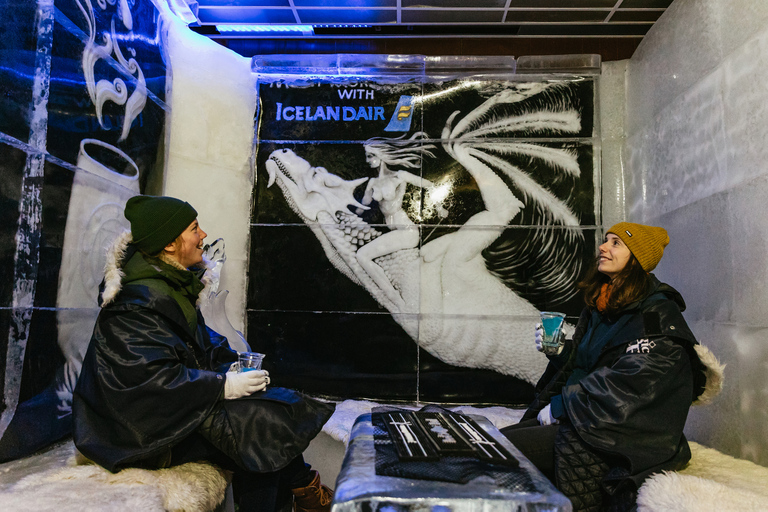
18	42
346	3
255	15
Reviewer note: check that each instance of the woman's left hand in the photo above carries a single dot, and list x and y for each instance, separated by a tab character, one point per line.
545	416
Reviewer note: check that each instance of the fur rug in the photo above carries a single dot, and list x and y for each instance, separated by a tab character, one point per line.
69	487
712	482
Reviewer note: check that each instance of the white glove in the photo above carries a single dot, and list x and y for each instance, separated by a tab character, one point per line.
545	416
242	384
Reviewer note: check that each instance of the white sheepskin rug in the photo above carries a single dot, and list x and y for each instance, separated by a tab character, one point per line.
340	424
712	482
191	487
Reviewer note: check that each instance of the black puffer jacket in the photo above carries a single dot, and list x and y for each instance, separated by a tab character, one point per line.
154	373
623	418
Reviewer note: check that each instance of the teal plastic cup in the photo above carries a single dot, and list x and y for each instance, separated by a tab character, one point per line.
552	324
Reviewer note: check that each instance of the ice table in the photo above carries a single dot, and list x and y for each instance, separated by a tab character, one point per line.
360	489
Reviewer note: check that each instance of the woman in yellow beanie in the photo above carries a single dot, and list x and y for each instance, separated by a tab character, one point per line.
611	405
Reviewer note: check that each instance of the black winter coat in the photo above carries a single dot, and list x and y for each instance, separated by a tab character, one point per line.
624	418
151	377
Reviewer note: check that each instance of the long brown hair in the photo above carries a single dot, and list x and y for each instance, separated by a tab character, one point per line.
630	285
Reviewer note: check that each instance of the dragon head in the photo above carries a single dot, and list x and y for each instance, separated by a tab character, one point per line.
311	190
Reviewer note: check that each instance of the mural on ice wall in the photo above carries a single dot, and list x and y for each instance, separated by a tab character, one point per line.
104	179
81	122
459	207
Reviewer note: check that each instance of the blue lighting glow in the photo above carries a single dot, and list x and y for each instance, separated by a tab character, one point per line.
305	30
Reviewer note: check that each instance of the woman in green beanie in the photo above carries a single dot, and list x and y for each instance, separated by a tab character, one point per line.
611	406
155	388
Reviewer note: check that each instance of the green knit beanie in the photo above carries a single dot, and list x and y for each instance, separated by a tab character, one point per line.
157	221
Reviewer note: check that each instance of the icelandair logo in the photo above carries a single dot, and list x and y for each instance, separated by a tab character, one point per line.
400	121
328	113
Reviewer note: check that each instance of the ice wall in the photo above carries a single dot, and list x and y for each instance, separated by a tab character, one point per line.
412	216
613	114
211	146
695	160
82	114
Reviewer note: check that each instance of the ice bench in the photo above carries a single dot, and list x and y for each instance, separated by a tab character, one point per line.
712	481
50	481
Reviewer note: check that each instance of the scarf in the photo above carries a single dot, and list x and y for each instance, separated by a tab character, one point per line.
602	300
185	286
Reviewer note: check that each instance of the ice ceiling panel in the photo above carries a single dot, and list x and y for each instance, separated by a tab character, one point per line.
437	4
347	16
346	3
562	4
444	16
246	15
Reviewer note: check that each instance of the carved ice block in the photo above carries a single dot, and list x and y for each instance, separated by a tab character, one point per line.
105	179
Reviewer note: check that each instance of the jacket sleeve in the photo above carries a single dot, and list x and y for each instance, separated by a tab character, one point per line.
144	378
220	355
647	392
557	371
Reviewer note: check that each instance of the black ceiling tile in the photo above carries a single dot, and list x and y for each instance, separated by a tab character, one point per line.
555	16
242	16
351	16
604	29
456	30
624	47
251	47
649	16
450	16
424	46
245	3
362	4
645	4
562	4
454	3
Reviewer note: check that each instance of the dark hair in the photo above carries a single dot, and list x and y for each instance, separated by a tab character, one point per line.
630	285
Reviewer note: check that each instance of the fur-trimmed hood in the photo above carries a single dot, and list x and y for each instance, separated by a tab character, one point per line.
114	274
714	373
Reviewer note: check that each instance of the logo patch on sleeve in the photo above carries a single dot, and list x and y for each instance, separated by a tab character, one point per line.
641	346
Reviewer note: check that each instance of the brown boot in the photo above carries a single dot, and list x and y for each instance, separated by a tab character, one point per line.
315	497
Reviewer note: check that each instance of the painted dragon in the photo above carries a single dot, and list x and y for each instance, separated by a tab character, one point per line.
452	305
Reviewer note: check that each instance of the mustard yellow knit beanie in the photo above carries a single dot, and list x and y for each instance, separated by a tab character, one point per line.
647	243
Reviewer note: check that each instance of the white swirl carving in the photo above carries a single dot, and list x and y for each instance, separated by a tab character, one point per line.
115	91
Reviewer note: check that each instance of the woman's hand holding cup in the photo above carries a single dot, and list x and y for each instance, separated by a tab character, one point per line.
240	384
